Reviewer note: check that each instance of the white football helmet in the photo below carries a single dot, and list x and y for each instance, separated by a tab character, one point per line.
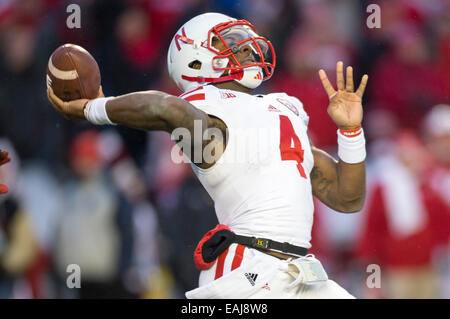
193	44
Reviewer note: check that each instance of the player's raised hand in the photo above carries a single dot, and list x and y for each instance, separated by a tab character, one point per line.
4	158
345	106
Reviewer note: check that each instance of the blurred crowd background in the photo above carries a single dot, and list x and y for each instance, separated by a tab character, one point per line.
110	200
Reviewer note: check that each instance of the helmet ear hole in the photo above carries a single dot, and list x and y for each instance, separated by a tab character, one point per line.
196	65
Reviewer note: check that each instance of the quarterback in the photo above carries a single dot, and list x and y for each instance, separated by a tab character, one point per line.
265	208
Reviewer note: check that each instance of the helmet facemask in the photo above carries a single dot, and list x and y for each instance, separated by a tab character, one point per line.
232	36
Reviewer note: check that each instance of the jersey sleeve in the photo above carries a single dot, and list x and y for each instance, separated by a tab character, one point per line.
207	100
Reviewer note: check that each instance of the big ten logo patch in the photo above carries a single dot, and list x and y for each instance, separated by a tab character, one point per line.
289	105
227	95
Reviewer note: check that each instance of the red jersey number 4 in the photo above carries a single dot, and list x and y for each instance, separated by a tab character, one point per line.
289	153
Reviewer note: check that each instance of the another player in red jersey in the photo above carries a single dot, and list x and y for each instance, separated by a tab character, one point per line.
264	205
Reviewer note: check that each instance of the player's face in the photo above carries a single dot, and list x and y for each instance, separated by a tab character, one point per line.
244	55
245	51
237	47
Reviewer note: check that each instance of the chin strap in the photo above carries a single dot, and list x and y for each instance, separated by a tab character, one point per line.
234	76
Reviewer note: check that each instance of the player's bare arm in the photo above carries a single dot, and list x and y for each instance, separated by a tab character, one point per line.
155	110
147	110
338	184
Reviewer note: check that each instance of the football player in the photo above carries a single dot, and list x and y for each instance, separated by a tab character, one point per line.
264	205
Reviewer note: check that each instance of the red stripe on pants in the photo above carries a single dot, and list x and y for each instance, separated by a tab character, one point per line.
220	263
238	256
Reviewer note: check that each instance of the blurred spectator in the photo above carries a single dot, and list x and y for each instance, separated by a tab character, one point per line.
188	219
19	247
18	75
437	136
148	275
436	131
403	223
406	80
181	201
91	229
24	111
145	276
442	27
130	58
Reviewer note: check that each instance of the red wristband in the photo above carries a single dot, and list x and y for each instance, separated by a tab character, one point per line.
351	133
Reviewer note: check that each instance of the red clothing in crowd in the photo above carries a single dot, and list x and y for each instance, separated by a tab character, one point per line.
381	244
407	90
444	62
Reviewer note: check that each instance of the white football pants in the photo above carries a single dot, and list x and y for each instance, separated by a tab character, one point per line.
246	273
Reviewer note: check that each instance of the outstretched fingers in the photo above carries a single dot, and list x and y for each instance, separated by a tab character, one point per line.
340	76
362	85
349	86
326	84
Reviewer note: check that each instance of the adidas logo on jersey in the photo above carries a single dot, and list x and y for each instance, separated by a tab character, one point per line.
251	278
273	109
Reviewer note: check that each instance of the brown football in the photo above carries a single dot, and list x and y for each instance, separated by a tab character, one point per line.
73	73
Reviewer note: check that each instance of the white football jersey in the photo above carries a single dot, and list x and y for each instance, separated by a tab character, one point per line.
261	185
